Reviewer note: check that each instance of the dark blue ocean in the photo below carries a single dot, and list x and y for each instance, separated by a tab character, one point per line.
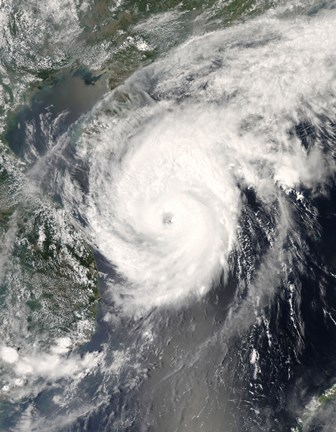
167	216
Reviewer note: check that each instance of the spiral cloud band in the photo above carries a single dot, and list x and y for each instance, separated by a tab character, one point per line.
168	207
172	150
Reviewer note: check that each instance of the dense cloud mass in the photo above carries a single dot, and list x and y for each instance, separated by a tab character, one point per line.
175	148
178	163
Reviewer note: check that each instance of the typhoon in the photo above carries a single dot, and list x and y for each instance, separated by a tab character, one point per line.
199	190
177	154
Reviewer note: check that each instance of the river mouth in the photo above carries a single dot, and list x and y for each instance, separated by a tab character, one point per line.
168	217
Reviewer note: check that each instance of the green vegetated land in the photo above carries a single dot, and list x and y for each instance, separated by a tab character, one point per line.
55	272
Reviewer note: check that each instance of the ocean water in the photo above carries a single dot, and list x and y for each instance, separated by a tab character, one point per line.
167	191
